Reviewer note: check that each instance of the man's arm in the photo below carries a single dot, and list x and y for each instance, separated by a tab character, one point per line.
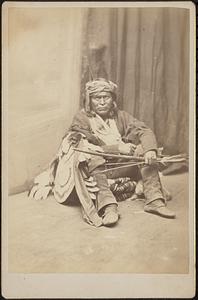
81	124
137	132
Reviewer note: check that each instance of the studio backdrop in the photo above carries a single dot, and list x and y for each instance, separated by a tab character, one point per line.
52	52
146	52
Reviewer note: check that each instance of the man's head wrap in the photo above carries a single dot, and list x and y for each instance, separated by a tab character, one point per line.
97	86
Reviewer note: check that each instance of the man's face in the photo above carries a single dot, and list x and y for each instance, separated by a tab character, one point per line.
101	103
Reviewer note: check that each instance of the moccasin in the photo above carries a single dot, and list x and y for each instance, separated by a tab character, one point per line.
111	215
110	218
159	209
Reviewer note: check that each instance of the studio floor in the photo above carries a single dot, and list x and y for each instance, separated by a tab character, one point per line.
47	237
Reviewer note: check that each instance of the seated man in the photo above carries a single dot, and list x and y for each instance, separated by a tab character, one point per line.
110	130
117	131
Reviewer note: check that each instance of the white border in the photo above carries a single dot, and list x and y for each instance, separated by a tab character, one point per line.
102	285
182	4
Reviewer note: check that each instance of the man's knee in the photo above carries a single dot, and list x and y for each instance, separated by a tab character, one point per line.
95	162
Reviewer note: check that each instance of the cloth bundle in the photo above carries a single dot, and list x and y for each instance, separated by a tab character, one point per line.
122	188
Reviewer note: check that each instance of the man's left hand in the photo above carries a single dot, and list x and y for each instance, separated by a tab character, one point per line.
150	157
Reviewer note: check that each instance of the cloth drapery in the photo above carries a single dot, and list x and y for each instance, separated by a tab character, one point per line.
145	51
108	133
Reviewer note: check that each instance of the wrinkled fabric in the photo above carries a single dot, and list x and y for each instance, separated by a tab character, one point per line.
151	183
146	52
101	85
105	131
130	129
89	209
76	167
104	196
152	186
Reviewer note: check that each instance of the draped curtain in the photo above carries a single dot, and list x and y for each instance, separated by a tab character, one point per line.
146	52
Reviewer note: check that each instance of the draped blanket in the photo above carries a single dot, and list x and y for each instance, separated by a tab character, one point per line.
67	172
69	168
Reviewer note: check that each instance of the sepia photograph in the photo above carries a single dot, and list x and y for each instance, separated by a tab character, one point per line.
98	149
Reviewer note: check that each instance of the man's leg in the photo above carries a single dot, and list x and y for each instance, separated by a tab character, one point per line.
106	203
155	201
152	187
151	183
